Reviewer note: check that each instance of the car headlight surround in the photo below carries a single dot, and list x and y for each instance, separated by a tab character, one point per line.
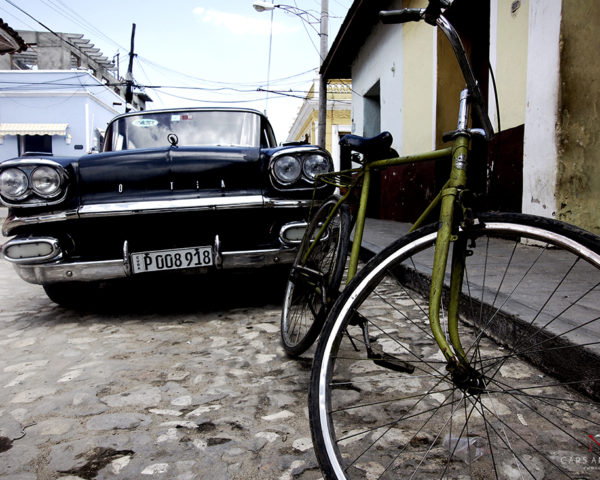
287	169
14	183
46	181
315	164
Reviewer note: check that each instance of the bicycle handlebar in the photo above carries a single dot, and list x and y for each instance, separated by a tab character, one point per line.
390	17
433	15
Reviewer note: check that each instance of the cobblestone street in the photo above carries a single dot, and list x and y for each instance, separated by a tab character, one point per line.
151	383
187	380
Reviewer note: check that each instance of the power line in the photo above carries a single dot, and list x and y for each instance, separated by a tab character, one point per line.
80	21
40	23
85	24
222	86
209	101
16	18
219	82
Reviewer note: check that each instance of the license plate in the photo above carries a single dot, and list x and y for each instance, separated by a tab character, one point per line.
160	260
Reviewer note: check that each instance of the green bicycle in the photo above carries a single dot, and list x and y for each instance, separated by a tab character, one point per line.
467	348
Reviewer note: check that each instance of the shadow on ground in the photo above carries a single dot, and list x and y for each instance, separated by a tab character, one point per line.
184	293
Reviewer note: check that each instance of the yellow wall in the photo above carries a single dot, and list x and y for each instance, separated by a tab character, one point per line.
336	117
308	128
418	85
511	62
578	176
342	115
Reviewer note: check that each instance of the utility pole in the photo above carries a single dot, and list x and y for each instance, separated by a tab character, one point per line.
129	75
322	131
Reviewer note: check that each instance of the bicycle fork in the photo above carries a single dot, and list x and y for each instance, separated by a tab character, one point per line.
452	348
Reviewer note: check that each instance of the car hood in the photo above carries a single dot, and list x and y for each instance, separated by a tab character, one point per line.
170	172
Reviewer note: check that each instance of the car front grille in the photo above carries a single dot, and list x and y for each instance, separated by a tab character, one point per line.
103	238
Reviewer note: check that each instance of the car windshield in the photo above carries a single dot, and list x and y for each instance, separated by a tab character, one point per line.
192	128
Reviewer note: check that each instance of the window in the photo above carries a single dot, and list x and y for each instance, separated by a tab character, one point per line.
192	128
35	143
372	111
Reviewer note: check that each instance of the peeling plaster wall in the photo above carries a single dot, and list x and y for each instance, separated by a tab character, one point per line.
539	145
578	168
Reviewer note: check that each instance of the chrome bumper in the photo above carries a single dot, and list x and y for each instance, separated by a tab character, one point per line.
43	270
114	269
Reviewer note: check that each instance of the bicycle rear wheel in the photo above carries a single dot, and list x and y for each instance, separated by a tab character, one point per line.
314	281
530	327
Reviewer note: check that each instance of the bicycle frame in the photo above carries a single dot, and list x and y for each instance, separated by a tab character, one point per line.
448	199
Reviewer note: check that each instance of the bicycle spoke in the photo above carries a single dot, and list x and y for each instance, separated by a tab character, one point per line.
483	416
316	274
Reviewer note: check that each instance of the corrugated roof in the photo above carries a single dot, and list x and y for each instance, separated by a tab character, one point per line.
10	41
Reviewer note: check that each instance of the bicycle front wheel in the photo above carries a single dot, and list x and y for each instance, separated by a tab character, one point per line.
315	278
382	402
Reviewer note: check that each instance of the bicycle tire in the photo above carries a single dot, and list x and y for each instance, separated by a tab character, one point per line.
530	328
304	309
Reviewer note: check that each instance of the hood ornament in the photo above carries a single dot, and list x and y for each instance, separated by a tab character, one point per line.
173	140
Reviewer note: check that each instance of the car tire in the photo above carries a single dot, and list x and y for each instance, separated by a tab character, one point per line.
69	294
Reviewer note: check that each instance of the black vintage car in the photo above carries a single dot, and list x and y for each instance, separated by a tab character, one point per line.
173	189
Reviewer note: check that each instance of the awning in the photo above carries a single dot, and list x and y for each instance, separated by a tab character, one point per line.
33	128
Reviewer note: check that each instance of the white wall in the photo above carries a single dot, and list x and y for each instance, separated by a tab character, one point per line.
402	58
72	97
543	69
380	59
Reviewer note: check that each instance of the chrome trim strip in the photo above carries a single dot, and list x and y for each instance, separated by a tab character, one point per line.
113	269
283	203
258	258
14	221
31	161
166	206
154	206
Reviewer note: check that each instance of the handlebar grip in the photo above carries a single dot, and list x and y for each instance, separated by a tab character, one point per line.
401	16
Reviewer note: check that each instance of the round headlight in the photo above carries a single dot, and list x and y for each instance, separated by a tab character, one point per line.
45	181
315	165
287	169
13	183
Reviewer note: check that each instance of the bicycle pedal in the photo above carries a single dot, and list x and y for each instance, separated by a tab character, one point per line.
386	360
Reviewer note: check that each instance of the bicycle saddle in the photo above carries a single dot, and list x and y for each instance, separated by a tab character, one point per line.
371	146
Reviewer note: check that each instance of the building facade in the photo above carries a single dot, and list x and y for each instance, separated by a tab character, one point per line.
306	124
59	112
545	158
58	95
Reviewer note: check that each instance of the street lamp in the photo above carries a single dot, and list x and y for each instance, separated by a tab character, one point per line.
269	7
261	6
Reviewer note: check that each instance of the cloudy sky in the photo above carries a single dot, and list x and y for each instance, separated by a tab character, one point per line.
210	52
